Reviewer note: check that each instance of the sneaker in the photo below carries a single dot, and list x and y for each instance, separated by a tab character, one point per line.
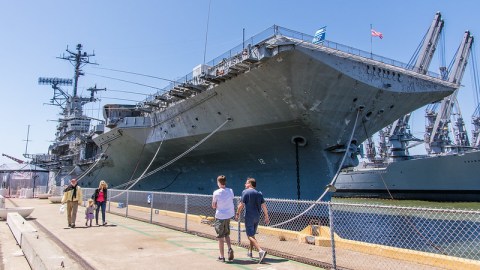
249	254
230	254
104	223
220	259
261	255
73	226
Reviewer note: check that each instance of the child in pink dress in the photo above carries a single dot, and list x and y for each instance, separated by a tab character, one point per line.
89	212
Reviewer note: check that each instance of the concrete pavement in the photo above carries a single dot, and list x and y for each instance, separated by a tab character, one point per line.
123	244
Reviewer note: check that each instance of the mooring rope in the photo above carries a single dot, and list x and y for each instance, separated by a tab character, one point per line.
148	167
334	179
92	166
386	187
138	162
173	160
432	244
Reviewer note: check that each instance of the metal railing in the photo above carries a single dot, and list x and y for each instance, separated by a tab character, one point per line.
276	30
325	233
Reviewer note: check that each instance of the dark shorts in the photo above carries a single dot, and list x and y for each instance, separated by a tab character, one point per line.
251	228
222	227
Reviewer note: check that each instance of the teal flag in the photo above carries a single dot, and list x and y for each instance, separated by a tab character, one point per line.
319	36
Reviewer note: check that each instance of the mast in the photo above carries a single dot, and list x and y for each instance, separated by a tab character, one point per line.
27	140
72	136
79	60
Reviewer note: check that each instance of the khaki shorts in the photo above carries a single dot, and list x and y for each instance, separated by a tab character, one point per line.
222	227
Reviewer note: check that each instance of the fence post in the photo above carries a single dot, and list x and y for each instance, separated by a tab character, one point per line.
238	224
186	212
151	208
109	195
332	234
126	210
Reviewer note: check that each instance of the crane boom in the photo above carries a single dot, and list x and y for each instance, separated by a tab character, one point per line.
13	158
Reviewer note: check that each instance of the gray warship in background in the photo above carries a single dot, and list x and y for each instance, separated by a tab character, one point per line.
449	172
283	107
73	150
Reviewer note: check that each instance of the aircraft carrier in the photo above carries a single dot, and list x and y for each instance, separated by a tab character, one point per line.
283	107
279	107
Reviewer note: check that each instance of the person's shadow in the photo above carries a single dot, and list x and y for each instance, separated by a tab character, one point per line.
88	227
250	261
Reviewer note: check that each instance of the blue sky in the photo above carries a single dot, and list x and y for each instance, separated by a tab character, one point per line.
167	39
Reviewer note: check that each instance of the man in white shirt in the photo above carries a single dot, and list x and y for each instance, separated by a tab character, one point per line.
223	203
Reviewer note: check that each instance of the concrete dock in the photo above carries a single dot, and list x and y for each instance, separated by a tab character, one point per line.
123	244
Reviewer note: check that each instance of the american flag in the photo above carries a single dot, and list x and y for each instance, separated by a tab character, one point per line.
377	34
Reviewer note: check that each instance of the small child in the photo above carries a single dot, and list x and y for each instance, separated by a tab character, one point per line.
89	212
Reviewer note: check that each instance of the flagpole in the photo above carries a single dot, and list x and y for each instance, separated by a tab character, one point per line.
371	42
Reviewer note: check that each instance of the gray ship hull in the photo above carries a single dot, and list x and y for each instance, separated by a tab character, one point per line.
294	91
440	178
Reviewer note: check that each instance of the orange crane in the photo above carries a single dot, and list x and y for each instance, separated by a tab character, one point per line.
13	158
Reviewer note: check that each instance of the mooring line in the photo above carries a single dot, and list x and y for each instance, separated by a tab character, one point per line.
173	160
332	183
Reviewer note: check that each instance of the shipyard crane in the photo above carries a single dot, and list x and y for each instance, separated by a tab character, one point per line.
399	136
476	127
437	137
429	44
13	158
371	153
476	113
395	137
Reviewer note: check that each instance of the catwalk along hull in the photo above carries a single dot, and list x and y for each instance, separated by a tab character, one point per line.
440	178
295	91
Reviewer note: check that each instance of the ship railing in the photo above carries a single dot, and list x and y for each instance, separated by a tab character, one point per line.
43	157
276	31
350	50
393	236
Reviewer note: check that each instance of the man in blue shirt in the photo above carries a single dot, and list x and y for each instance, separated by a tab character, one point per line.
253	202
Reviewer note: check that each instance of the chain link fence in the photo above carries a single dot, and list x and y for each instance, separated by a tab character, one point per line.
330	235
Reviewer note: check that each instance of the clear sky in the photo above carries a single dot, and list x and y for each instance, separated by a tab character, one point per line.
167	39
